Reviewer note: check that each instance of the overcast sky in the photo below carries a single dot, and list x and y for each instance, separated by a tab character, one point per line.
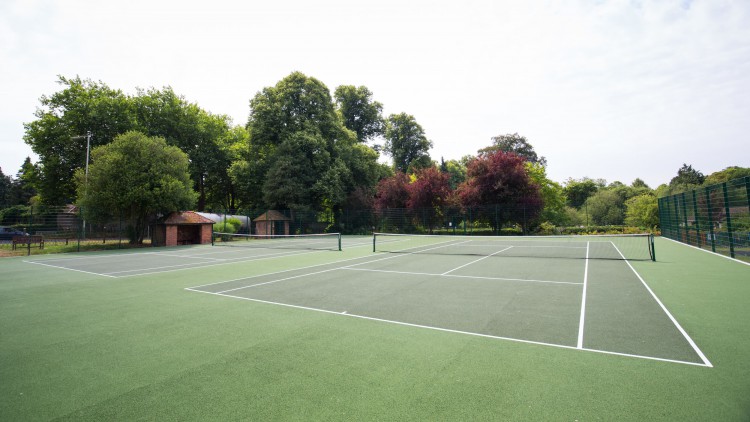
604	89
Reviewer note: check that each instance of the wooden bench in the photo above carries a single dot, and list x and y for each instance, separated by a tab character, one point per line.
38	241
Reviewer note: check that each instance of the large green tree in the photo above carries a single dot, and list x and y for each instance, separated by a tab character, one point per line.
406	143
687	179
642	211
201	135
57	135
300	154
578	191
136	178
359	112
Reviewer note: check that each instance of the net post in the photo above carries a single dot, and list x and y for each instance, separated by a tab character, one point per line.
373	241
213	238
653	249
339	242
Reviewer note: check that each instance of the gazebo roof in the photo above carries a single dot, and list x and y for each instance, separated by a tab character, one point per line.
185	217
272	215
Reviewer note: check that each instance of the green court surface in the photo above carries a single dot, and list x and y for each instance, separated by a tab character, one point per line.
433	329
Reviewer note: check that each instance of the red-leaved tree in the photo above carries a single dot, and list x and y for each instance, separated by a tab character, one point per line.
428	194
499	188
392	192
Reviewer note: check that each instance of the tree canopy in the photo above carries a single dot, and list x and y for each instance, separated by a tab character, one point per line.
359	112
406	142
135	177
517	144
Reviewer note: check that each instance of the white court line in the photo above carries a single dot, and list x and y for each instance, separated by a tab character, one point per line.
447	330
475	261
228	261
69	269
666	311
583	300
349	268
277	272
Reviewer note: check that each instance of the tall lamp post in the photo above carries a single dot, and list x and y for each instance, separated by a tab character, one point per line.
86	174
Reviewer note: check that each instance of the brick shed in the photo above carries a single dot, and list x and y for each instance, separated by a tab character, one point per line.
182	228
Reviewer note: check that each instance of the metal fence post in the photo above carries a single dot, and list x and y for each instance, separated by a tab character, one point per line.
697	220
729	219
710	220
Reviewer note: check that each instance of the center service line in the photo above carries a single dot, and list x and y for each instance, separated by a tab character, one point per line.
583	300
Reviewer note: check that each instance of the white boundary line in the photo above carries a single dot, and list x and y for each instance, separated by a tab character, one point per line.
447	330
69	269
710	252
583	300
666	311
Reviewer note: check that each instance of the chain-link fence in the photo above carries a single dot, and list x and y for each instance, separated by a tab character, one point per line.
715	218
62	228
493	219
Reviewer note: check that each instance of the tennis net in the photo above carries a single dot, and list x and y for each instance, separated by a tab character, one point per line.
325	241
619	247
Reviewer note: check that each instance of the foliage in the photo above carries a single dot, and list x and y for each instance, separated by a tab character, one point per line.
552	193
605	207
642	211
578	191
57	135
687	179
501	178
406	143
6	182
359	112
517	144
300	154
729	173
135	177
456	170
392	192
203	136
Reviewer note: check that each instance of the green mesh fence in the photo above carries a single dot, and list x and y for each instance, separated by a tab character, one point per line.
715	218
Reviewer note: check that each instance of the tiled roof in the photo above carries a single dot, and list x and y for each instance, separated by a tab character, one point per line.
186	217
272	215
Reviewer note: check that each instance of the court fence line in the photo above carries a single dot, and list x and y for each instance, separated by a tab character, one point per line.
714	218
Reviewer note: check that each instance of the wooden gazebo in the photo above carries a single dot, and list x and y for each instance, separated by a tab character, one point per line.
182	228
272	222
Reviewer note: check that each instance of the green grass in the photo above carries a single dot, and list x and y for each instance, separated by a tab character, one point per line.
75	346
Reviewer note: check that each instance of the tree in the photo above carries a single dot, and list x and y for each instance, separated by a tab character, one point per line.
359	112
392	192
135	177
517	144
687	179
198	133
406	143
552	193
299	141
428	192
456	170
606	207
500	178
578	191
642	211
5	185
56	136
729	173
23	187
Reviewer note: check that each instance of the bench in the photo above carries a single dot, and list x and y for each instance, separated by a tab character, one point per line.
38	241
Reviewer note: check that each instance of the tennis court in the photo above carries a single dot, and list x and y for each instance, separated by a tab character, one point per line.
388	327
572	293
